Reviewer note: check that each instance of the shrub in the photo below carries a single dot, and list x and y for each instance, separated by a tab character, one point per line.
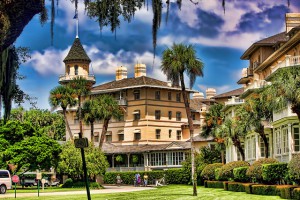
217	174
248	187
264	190
236	187
214	184
93	185
296	193
208	173
285	191
226	171
294	169
239	174
274	173
225	184
178	176
68	183
255	170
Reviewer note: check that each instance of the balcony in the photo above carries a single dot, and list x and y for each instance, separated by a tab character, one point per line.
255	64
282	113
122	102
66	78
234	101
289	61
255	85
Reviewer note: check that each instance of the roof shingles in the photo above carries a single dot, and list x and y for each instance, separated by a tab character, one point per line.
77	52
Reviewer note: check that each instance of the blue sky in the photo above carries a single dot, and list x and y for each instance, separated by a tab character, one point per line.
219	39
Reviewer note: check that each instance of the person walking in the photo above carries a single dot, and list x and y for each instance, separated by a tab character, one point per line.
119	180
145	180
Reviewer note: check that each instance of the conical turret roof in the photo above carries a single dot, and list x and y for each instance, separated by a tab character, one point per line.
77	52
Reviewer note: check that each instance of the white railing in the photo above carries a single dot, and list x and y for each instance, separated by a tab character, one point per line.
285	112
64	77
289	61
122	102
125	169
255	85
234	101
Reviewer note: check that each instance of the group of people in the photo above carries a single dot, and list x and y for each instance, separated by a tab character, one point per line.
137	180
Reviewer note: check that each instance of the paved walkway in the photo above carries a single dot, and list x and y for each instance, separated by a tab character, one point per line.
107	189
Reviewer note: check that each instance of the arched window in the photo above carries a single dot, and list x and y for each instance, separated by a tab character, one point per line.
76	69
68	70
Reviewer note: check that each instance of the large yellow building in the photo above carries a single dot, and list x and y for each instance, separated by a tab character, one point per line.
153	133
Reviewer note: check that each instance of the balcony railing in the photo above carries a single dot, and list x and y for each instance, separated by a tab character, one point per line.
125	169
285	112
65	77
256	84
289	61
122	102
234	101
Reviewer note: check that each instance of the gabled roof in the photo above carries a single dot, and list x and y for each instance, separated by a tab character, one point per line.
197	103
199	138
269	41
236	92
142	81
77	52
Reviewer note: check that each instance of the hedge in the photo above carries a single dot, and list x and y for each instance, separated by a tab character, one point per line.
296	193
254	172
217	174
226	171
285	191
294	169
214	184
236	187
70	184
274	173
248	187
239	174
225	184
208	173
178	176
264	190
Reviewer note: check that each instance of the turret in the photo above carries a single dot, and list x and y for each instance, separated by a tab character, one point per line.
139	70
121	73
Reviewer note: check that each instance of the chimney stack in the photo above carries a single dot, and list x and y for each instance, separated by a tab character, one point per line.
291	20
198	95
210	93
139	70
121	73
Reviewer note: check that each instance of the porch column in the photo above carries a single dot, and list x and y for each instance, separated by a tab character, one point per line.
113	161
128	160
257	146
290	141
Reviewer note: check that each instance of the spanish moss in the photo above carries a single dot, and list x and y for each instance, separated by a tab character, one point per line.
179	3
157	8
168	8
223	5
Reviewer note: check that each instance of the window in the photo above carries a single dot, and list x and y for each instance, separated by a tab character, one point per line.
137	134
178	135
157	114
194	116
251	147
121	137
157	95
170	133
178	97
68	70
4	174
170	96
76	119
175	158
178	116
157	135
296	139
277	141
170	115
262	147
157	159
96	136
285	140
137	115
108	138
136	94
76	69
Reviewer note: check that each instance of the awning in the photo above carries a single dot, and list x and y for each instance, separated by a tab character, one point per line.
120	132
136	112
137	131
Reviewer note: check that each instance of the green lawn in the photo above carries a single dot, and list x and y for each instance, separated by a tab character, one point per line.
34	189
171	192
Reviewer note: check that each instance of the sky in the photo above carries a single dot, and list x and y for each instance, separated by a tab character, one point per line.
219	39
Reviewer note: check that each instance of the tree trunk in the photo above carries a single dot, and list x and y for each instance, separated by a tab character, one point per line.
92	132
104	130
79	116
296	109
67	125
261	132
191	127
237	144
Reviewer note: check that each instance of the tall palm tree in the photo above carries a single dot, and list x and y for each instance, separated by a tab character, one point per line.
179	60
90	113
109	108
62	96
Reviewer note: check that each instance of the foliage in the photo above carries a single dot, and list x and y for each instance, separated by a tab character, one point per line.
135	159
294	169
255	170
119	158
208	173
274	173
236	187
240	174
70	162
217	174
68	184
209	156
264	190
214	184
296	193
285	191
248	187
226	171
178	176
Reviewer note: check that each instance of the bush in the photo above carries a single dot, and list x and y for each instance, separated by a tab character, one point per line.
214	184
68	183
248	187
239	174
255	170
296	193
217	174
226	171
264	190
225	184
274	173
236	187
178	176
208	173
294	169
285	191
93	185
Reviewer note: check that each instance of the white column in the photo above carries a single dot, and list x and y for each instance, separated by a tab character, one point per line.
257	146
287	60
290	141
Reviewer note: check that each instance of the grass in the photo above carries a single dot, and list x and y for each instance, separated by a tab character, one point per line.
47	189
171	192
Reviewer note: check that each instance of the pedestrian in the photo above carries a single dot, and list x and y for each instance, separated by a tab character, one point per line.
135	179
119	180
145	180
139	179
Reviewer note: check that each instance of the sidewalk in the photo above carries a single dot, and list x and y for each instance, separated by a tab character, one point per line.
107	189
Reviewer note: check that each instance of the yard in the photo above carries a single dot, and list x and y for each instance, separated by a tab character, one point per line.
167	192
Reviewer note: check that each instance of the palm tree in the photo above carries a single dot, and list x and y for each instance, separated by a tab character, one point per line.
109	108
179	60
90	113
62	96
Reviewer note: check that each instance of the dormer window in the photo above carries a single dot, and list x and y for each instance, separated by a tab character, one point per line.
76	69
